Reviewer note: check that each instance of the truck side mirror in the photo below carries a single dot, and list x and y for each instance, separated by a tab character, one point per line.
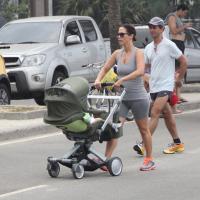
72	39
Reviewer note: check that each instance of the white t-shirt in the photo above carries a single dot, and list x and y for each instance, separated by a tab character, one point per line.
162	60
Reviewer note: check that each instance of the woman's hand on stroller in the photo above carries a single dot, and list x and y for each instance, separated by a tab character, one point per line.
97	84
118	84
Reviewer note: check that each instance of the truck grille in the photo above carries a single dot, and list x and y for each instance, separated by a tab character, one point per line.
12	62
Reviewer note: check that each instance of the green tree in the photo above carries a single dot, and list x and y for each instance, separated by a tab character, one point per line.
23	9
98	9
11	11
134	12
114	16
8	10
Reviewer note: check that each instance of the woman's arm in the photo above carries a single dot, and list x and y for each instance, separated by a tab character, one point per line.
108	65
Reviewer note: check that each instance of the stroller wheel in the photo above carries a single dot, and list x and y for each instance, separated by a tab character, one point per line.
115	166
53	169
78	171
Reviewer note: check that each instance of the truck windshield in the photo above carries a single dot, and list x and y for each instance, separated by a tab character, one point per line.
34	32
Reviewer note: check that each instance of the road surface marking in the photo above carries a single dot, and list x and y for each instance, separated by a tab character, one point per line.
188	112
194	151
22	190
28	139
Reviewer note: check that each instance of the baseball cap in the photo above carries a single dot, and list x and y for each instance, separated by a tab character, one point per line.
157	21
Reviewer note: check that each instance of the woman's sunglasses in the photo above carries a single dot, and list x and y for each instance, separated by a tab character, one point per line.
121	35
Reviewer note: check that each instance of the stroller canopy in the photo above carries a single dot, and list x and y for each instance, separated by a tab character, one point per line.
66	101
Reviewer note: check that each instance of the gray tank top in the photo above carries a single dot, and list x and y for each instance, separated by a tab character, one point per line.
134	88
179	23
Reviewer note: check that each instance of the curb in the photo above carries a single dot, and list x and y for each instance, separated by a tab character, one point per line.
28	112
22	115
27	132
189	106
41	128
191	88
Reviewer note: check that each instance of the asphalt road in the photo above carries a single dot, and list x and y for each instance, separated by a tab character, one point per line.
23	174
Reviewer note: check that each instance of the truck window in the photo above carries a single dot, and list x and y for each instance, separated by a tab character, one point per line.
196	36
143	37
188	40
89	30
72	29
33	32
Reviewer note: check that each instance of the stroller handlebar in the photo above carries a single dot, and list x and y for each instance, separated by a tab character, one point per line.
106	84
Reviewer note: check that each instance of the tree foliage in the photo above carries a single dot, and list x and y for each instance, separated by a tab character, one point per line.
114	16
11	11
98	9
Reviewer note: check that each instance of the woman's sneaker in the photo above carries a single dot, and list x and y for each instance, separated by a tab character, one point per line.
139	148
147	165
174	148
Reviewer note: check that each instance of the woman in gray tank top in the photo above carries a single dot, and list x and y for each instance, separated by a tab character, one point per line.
130	69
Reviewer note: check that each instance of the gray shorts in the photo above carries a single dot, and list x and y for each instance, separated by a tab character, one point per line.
139	108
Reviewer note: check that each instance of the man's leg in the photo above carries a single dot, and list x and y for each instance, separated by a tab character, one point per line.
156	110
170	122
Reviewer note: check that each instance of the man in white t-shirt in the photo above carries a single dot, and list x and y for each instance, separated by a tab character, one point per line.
160	56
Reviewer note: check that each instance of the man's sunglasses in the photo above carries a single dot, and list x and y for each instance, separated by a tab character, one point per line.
121	35
154	26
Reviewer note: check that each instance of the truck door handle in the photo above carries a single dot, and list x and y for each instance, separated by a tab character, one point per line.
84	50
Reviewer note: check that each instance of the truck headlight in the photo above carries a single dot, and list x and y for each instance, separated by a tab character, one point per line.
33	60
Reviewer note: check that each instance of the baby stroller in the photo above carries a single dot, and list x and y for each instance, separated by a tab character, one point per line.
67	103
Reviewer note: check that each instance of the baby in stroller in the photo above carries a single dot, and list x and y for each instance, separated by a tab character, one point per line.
68	109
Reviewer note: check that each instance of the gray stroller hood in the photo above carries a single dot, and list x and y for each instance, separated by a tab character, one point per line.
66	101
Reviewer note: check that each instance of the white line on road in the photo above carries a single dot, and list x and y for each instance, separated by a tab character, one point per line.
188	112
28	139
22	190
194	151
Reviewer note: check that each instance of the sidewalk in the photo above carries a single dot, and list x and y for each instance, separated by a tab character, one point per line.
12	129
193	101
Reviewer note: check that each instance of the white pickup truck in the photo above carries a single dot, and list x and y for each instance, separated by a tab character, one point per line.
41	51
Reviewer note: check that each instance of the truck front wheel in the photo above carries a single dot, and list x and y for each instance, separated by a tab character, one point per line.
39	100
58	77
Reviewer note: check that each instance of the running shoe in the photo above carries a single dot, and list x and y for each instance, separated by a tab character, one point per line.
147	165
139	148
174	148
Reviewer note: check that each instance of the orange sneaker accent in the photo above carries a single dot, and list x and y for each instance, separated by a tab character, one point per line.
148	165
146	160
174	148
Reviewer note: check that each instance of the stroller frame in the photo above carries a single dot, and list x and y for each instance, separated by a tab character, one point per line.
82	156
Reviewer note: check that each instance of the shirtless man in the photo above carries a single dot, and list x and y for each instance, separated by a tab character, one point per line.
177	35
